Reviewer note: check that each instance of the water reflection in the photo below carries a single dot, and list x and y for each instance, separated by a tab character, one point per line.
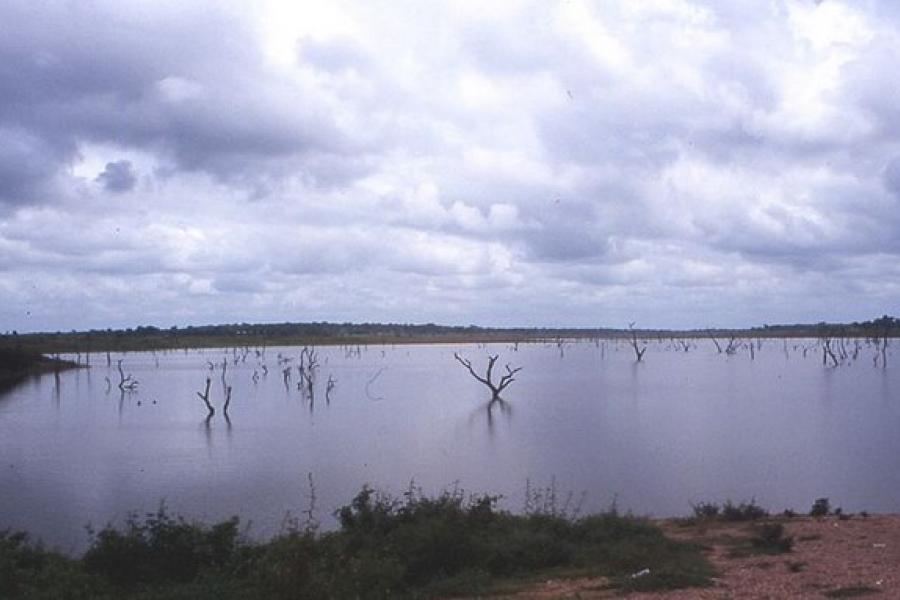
503	407
56	389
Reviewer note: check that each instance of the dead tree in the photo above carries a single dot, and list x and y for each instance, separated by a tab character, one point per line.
638	352
227	402
715	341
560	343
487	380
369	383
309	363
733	345
328	387
205	397
125	382
881	348
827	352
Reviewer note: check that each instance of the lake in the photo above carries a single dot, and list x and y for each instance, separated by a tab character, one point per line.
654	437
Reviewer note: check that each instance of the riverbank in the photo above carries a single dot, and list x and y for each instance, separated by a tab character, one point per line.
454	547
17	365
411	547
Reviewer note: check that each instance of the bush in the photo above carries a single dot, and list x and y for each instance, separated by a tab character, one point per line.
820	508
161	549
770	539
27	570
706	510
745	511
451	544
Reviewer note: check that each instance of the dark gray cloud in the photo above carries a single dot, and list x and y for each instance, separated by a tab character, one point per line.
187	84
28	166
118	176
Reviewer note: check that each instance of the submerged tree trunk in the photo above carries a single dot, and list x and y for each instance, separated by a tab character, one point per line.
205	397
638	352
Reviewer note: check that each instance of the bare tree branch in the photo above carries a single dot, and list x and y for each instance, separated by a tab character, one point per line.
487	380
638	352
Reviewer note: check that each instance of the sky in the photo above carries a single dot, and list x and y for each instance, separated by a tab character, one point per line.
674	163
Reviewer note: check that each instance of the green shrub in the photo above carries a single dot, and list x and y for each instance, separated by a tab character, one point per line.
161	549
451	544
27	570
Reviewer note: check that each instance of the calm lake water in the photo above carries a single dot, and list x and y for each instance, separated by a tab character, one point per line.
656	436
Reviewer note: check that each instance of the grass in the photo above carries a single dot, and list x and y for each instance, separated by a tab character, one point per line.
385	547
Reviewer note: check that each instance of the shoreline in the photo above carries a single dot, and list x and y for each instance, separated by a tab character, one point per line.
18	365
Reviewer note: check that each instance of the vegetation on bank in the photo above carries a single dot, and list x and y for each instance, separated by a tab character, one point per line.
300	334
416	547
17	364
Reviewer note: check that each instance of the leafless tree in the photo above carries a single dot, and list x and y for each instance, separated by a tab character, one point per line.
205	397
369	383
638	351
227	402
881	348
328	387
560	344
487	379
827	352
125	382
733	345
309	363
715	341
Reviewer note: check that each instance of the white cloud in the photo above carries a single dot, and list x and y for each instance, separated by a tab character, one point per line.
581	163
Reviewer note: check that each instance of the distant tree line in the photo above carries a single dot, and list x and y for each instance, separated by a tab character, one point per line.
148	337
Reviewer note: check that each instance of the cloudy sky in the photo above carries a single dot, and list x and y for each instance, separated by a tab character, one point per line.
679	163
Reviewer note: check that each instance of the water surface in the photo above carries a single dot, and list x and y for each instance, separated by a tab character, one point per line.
677	428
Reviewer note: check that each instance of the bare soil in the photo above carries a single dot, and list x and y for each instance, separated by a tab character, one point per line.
857	557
